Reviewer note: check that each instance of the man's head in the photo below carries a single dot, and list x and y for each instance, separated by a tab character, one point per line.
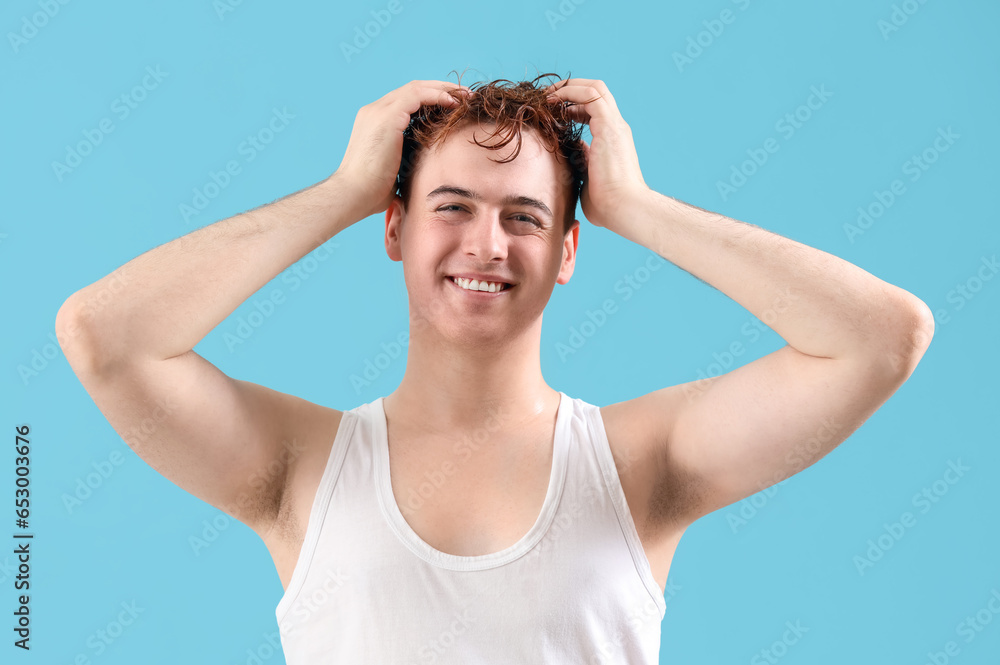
508	110
472	201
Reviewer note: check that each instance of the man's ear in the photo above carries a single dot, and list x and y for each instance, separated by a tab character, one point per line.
394	215
570	243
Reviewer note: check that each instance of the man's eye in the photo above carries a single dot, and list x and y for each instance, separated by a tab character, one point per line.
520	217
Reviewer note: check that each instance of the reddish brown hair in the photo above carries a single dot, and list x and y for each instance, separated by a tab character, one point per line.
511	108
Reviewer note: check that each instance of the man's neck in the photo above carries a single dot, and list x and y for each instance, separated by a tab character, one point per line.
451	390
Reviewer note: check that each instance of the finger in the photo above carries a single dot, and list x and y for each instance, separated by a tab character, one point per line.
572	89
597	84
594	83
444	85
582	103
576	113
427	93
584	95
424	90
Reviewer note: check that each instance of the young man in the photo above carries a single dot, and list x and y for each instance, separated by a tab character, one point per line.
517	524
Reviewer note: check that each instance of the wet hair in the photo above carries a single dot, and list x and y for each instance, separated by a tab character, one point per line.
511	107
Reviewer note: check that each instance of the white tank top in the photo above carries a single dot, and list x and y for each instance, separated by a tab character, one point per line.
576	588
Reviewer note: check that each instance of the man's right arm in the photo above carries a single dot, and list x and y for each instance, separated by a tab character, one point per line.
129	339
229	442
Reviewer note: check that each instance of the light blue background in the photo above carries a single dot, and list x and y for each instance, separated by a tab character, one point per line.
793	561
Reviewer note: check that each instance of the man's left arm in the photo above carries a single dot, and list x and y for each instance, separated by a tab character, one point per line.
852	339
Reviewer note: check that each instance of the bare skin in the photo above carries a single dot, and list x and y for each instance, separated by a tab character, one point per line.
682	451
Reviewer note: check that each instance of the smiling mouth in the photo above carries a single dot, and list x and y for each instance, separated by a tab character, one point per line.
465	285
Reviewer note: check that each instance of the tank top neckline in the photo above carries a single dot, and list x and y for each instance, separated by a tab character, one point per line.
398	524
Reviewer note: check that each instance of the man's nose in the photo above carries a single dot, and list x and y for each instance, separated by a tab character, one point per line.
486	238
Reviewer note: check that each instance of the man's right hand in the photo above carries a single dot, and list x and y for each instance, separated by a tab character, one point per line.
372	159
231	443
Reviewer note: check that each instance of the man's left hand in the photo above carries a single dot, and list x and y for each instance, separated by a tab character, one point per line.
613	178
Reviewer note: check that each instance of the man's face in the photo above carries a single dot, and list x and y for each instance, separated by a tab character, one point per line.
469	215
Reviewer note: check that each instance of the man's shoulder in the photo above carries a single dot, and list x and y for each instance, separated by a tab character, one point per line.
637	431
310	430
312	433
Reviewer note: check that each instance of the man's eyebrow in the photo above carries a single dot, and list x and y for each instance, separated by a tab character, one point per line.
476	196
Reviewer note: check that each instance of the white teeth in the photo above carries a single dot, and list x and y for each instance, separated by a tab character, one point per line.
476	285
